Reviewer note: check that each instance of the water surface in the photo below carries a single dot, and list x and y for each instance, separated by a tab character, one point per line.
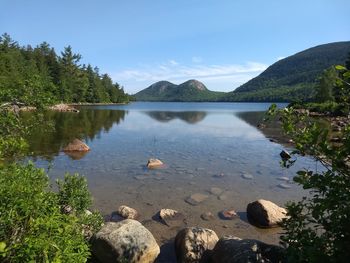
203	145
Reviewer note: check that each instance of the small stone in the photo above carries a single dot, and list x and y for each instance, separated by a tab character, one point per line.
220	175
207	216
76	146
247	176
127	212
171	217
285	155
225	226
196	199
154	163
216	191
228	214
222	197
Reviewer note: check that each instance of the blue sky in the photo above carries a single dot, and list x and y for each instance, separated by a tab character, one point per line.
222	43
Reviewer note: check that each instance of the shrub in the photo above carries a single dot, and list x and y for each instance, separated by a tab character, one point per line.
32	227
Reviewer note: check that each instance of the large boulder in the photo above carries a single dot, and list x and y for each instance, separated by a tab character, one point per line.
231	249
193	244
125	241
76	146
263	213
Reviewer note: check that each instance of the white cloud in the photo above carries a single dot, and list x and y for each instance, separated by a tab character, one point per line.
279	58
223	77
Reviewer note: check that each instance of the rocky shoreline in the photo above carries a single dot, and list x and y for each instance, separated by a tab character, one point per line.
124	239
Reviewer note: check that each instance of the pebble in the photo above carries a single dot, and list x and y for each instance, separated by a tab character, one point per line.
207	216
228	214
247	176
216	191
196	199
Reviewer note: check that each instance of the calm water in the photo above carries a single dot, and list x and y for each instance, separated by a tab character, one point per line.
203	145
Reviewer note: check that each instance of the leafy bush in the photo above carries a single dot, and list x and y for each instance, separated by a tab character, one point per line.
318	227
32	227
73	192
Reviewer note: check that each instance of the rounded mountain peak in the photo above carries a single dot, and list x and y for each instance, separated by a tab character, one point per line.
195	84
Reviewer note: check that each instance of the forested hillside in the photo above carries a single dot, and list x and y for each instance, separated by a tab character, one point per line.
191	90
294	77
32	75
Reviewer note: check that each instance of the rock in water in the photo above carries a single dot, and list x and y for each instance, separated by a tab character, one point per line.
76	146
154	163
193	243
127	212
285	155
216	191
207	216
228	214
247	176
196	199
171	217
125	241
263	213
231	249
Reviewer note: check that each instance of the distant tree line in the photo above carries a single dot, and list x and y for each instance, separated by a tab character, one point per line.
38	75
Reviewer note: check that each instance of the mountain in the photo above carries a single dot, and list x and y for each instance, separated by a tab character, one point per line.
191	90
294	77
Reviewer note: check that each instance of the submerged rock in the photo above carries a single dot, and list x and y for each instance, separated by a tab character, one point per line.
207	216
216	191
193	243
125	241
154	163
76	146
171	217
231	249
196	199
228	214
263	213
247	176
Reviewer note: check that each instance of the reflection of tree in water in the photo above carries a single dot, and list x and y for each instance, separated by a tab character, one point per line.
253	118
187	116
87	125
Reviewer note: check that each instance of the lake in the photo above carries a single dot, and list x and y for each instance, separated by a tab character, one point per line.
203	145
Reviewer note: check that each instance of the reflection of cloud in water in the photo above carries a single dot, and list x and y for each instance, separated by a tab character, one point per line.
187	116
224	125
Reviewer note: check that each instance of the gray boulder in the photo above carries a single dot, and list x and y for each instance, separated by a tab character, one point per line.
192	244
231	249
125	241
264	213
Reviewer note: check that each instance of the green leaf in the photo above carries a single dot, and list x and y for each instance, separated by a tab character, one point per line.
340	67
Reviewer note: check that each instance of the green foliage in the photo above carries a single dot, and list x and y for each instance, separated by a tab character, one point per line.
38	77
32	227
324	87
318	226
73	191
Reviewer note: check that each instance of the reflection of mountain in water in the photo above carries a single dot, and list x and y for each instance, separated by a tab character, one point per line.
87	125
187	116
